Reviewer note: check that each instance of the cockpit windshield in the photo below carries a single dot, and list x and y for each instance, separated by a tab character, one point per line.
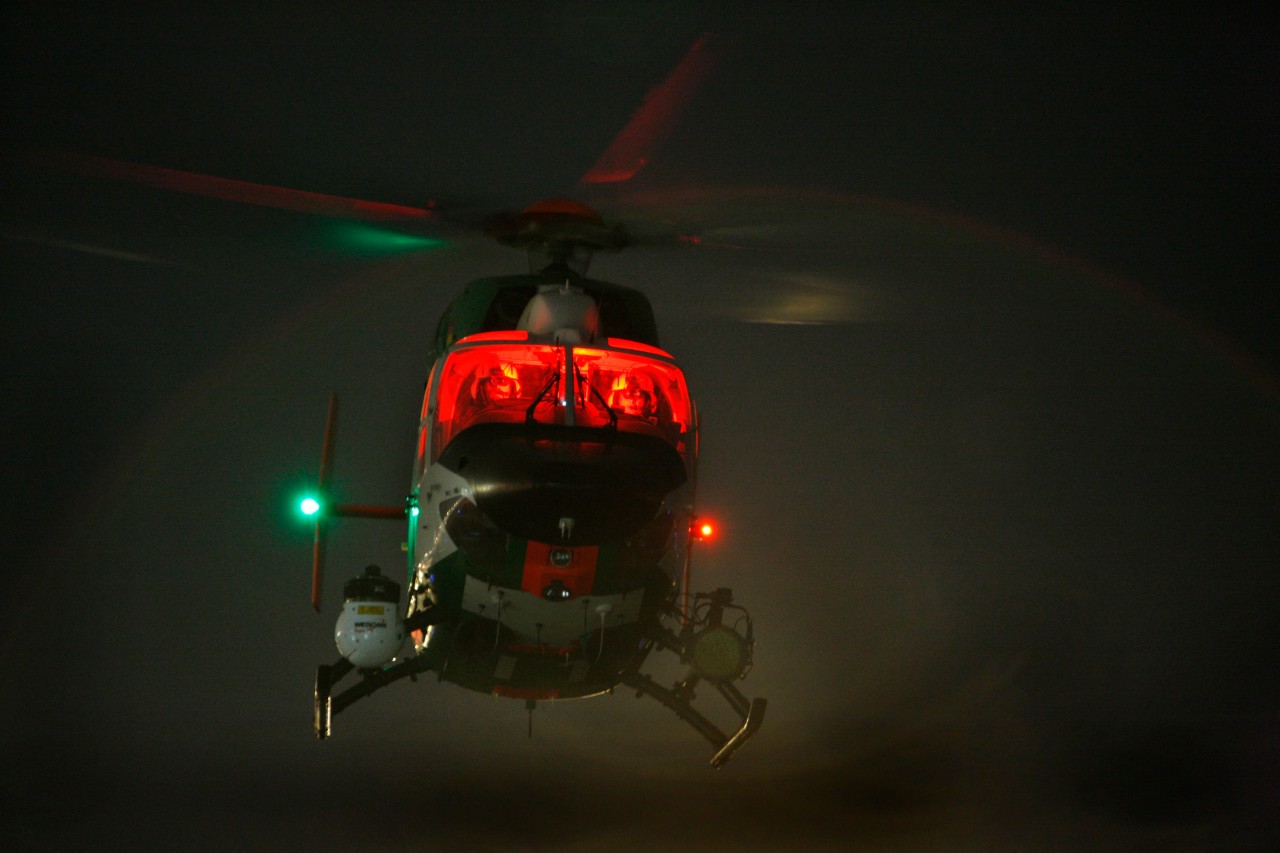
623	385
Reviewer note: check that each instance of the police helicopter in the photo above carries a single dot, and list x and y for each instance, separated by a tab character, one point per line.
551	513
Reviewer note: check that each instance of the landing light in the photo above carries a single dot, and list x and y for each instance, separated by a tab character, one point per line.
719	654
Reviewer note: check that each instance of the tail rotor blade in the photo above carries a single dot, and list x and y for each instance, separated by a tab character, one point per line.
317	564
321	529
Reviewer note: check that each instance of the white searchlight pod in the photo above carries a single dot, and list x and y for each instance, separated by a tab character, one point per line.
370	630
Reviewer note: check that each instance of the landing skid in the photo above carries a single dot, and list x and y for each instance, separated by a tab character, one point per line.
717	655
690	646
680	698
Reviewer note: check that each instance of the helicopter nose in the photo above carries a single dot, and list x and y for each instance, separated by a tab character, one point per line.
609	487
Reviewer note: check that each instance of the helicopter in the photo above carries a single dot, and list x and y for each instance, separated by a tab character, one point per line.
550	519
551	516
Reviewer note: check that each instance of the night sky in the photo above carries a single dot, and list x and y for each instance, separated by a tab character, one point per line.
1003	496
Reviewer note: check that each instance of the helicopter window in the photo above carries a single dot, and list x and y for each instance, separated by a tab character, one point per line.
506	307
510	382
495	382
615	320
643	393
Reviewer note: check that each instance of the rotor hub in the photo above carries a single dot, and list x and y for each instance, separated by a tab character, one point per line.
557	231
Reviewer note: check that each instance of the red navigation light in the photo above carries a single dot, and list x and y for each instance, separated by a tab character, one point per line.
703	530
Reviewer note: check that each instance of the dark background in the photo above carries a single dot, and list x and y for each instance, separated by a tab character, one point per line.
1008	529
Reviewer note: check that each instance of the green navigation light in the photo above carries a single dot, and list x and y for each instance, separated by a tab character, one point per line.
309	506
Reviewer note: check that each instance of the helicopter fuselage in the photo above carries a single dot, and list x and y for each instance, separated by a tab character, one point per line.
552	495
550	516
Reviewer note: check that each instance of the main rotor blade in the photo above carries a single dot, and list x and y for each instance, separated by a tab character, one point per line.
635	145
86	248
263	195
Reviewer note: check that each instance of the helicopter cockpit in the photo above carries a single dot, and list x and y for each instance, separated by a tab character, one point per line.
500	377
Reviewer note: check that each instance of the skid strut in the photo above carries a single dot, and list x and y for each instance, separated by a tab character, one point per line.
679	699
